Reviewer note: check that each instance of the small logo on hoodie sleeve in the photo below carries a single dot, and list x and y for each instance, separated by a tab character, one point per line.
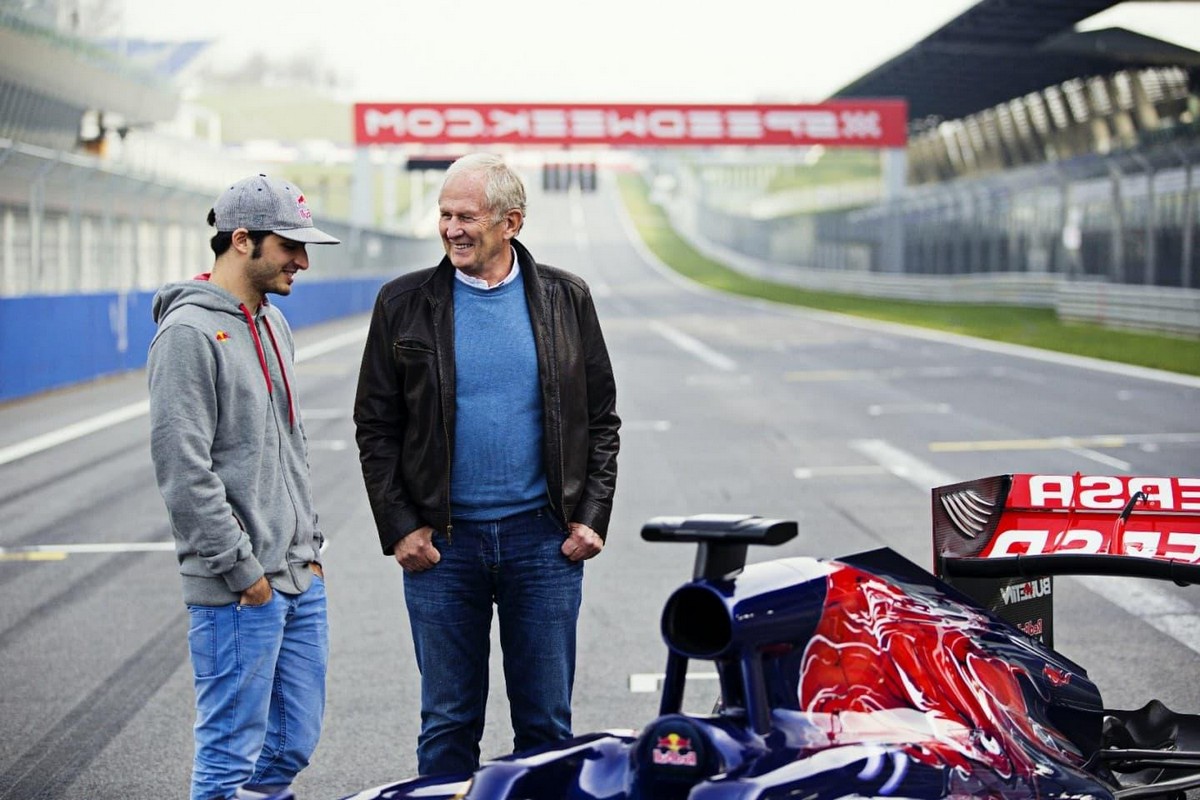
222	336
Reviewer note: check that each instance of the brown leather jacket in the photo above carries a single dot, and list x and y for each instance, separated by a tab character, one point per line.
404	409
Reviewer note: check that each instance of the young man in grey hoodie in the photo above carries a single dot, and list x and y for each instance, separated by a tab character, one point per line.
231	460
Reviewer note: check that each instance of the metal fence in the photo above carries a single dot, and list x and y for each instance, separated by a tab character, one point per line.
71	224
1109	239
1147	309
1131	218
1127	219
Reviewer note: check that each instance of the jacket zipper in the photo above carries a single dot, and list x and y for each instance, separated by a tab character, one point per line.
556	396
449	458
446	435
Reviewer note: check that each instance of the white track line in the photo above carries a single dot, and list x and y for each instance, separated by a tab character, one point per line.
694	346
108	419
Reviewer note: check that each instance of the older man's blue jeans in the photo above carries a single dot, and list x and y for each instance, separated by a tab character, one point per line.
260	691
517	564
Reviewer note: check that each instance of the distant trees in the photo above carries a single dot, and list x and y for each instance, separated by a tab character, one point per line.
300	70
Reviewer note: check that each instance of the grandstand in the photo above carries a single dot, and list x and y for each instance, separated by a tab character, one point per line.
1045	166
1080	147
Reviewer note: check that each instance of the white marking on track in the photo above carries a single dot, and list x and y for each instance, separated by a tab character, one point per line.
807	473
74	431
650	682
1165	613
326	413
879	410
108	419
693	346
656	425
901	464
328	444
111	547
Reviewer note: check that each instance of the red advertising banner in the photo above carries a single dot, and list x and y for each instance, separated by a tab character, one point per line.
866	123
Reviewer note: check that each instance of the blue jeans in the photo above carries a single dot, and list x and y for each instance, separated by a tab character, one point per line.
515	563
260	691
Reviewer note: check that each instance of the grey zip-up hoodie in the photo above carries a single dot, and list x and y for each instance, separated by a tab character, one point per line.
229	452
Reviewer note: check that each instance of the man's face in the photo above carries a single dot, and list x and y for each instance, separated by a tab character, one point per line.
274	263
475	242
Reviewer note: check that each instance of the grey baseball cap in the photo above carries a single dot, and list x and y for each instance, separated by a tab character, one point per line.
260	203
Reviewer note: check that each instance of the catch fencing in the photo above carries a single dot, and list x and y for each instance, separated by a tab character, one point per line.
1112	239
75	224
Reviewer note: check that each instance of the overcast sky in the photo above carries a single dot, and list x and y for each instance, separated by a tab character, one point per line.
610	51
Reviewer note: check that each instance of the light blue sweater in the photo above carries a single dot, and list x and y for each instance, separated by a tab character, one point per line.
497	469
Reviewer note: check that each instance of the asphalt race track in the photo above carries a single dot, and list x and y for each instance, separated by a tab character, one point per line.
728	406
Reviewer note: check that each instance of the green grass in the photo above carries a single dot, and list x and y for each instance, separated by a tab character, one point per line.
835	165
1035	327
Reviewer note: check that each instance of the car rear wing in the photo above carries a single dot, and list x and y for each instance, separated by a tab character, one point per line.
1001	539
722	539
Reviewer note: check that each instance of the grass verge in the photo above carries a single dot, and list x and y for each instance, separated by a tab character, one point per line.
1034	327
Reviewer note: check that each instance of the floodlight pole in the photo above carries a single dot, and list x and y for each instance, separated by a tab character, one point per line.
895	178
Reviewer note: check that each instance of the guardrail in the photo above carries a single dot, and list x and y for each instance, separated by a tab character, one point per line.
1112	238
51	341
1142	308
1151	309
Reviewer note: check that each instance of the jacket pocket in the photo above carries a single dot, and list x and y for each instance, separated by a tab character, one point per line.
417	372
402	348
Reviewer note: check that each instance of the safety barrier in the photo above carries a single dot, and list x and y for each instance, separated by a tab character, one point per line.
1151	309
1141	308
52	341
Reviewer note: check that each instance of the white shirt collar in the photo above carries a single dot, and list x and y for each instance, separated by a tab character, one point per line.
480	283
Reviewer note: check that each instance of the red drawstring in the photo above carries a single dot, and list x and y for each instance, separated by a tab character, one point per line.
262	361
262	358
282	371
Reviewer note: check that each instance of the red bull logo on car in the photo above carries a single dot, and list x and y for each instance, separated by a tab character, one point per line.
674	750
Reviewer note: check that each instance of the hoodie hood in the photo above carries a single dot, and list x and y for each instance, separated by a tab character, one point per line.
199	292
203	294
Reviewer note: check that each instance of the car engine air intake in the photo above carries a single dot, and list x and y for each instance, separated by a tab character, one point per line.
696	623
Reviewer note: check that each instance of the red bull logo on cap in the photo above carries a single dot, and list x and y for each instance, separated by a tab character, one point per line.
302	206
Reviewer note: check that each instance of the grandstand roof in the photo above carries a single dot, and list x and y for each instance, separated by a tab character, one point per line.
57	76
1001	49
165	59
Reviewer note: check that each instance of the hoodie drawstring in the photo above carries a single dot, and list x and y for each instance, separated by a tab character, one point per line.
282	371
262	362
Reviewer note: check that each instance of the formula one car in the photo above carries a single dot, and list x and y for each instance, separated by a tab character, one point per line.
869	677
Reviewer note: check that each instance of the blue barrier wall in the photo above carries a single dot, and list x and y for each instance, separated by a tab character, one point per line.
50	341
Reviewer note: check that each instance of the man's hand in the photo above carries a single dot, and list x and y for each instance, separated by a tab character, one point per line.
415	552
582	543
317	569
258	594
